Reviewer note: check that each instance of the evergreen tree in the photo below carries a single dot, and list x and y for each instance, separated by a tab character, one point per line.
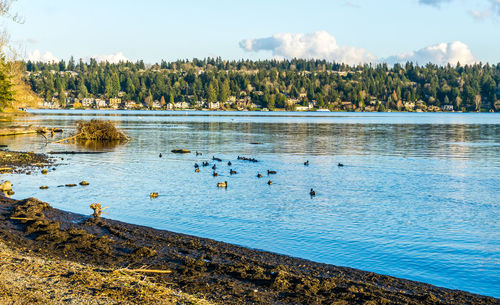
6	91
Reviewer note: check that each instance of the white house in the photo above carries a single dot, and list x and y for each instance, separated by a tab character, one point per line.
213	105
99	103
88	102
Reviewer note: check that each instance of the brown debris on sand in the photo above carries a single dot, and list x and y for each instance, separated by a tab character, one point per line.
31	279
219	271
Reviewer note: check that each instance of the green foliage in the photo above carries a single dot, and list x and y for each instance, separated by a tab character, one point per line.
270	83
6	90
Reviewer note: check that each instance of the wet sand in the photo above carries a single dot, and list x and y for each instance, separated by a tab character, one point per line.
217	271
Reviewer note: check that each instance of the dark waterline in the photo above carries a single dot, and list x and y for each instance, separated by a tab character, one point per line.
417	197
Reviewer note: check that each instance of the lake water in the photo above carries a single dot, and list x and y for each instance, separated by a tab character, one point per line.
418	197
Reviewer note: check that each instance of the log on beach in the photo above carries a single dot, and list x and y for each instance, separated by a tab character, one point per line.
76	152
18	130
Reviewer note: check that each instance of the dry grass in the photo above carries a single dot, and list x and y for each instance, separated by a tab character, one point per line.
99	130
27	279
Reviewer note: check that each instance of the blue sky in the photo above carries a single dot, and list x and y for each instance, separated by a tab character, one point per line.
154	30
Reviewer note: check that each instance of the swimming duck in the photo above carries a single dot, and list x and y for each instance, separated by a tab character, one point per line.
216	159
271	172
153	195
340	165
306	163
269	182
215	174
312	193
232	172
198	153
259	175
196	165
196	170
160	155
214	167
229	163
204	163
222	184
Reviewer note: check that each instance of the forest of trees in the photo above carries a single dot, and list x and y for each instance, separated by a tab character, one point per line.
271	83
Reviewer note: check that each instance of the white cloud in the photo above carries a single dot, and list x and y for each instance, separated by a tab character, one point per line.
37	56
480	15
317	45
111	58
440	54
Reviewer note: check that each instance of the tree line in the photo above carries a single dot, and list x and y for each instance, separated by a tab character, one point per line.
272	83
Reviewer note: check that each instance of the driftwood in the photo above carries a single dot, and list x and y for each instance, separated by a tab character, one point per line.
19	130
16	130
67	139
144	270
76	152
21	218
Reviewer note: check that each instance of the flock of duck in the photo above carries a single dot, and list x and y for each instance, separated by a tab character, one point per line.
231	171
224	184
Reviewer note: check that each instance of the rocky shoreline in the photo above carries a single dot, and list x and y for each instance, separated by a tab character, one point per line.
220	272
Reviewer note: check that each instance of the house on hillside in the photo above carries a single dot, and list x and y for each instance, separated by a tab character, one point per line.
181	105
348	105
156	105
130	105
409	106
213	105
100	103
447	107
88	102
114	102
50	105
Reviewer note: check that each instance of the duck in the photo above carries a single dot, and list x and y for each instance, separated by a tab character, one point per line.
232	172
198	153
340	165
215	174
312	193
271	172
229	163
214	167
153	195
204	163
306	163
196	170
269	182
216	159
222	184
160	155
259	175
196	165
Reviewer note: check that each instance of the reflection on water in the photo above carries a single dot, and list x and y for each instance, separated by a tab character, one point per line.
418	197
97	145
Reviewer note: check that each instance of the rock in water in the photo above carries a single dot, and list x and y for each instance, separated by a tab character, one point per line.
181	151
6	186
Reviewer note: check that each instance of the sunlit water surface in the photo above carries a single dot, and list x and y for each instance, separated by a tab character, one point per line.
418	197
